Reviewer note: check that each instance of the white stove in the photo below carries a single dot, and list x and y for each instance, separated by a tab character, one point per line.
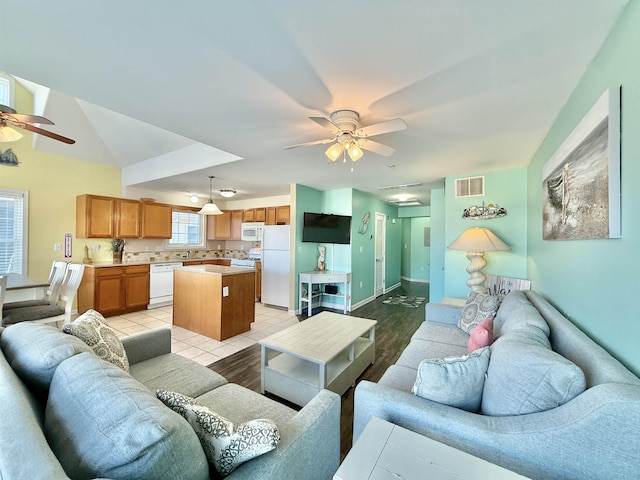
243	263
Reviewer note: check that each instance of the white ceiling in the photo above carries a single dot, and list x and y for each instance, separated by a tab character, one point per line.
173	92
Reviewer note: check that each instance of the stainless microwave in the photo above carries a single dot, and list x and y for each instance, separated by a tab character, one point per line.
252	231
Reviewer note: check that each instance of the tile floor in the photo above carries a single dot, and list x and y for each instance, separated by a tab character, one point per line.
199	348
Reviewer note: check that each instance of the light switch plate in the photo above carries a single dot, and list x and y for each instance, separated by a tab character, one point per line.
225	291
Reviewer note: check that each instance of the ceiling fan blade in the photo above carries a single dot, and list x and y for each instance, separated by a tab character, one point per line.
375	147
317	142
46	133
326	123
26	118
382	127
5	109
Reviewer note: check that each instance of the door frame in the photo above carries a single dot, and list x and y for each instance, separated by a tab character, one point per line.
380	232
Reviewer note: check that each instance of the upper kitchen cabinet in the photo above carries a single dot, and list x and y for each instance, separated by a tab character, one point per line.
255	215
95	216
227	226
127	218
156	220
278	215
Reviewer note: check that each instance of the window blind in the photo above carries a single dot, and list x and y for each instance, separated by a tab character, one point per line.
13	234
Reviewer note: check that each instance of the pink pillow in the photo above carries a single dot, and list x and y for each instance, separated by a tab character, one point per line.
481	335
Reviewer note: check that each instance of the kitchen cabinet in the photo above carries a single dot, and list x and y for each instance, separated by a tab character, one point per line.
258	214
95	216
259	280
127	219
219	226
227	226
278	215
156	220
114	290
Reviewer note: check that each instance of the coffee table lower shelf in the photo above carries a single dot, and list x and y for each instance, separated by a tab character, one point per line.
299	380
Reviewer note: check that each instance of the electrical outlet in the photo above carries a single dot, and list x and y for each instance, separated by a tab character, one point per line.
360	283
57	247
147	248
219	247
361	249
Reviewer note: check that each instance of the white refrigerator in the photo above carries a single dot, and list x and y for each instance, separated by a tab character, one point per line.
275	265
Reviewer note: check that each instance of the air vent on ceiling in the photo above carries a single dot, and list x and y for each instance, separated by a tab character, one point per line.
395	187
469	187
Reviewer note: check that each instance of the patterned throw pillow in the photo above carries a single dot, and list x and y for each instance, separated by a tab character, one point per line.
226	447
92	329
454	381
477	307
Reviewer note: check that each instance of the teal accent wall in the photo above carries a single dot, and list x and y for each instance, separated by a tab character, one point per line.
349	257
407	212
436	253
415	256
593	281
507	188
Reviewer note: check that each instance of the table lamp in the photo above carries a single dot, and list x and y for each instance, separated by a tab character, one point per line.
476	241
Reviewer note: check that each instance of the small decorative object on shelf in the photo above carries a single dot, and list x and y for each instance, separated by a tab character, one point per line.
321	264
482	212
117	246
87	258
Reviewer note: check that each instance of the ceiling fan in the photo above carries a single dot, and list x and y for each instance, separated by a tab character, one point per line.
8	116
349	137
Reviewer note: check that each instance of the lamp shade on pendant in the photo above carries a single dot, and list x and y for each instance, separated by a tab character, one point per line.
210	208
334	151
354	151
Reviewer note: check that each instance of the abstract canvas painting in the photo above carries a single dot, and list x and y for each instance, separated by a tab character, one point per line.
581	181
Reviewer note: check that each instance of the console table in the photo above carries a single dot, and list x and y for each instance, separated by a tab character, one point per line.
323	278
385	450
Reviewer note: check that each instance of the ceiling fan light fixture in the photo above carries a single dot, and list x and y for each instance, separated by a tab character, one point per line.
227	192
194	198
8	134
210	208
354	151
334	151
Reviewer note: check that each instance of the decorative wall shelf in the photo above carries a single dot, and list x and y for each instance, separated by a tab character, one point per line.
482	212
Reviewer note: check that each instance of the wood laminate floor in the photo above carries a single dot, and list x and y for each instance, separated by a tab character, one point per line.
396	324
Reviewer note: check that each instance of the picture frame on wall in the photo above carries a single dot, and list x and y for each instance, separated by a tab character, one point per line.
581	181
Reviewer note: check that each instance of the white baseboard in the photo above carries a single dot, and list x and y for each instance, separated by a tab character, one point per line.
417	280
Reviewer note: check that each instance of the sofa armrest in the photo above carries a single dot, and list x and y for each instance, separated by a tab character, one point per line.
443	313
309	448
569	441
145	345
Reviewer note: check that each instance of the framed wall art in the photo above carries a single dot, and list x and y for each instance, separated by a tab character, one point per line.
581	181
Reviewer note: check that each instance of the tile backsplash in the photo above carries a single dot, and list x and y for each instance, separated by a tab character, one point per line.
181	255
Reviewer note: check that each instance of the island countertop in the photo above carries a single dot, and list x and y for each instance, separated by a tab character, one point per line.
217	269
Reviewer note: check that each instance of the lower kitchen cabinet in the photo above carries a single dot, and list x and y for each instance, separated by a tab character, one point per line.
114	290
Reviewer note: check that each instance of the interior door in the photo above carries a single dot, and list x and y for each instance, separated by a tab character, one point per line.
380	235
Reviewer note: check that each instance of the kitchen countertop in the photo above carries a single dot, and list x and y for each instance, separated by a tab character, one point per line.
143	262
216	269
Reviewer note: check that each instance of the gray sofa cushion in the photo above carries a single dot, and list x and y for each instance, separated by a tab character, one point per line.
399	378
419	350
455	381
441	333
35	350
100	422
176	373
526	376
517	313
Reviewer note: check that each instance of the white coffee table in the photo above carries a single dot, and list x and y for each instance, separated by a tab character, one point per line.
385	451
328	350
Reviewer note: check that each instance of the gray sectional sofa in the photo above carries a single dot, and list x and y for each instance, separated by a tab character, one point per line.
66	413
555	405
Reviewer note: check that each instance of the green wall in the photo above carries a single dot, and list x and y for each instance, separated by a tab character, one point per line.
589	280
436	275
415	255
506	188
359	256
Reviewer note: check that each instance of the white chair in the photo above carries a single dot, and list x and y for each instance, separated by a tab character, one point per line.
56	276
53	312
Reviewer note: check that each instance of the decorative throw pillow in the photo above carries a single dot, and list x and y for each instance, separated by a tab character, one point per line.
481	335
226	447
477	307
92	329
454	381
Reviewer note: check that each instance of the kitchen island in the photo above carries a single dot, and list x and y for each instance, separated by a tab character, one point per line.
214	300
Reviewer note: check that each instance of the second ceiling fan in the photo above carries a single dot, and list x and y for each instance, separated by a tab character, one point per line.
351	138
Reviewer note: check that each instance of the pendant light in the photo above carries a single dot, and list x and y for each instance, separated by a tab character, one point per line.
210	208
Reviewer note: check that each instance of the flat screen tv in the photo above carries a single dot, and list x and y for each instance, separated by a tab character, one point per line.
326	228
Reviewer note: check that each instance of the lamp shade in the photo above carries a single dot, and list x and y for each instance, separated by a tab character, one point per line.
210	208
8	134
227	192
478	239
334	151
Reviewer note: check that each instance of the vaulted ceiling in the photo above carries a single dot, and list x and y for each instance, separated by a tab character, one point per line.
173	92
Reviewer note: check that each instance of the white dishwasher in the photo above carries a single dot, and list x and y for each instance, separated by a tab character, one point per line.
161	284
